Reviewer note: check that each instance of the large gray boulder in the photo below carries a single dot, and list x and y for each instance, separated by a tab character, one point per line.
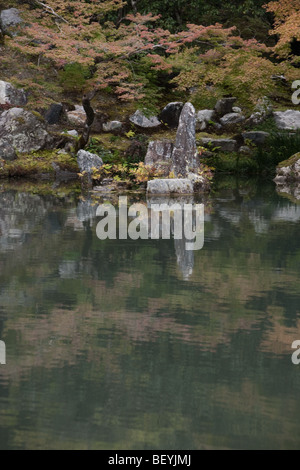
140	120
9	20
231	119
185	154
289	120
171	113
159	155
256	137
11	95
87	161
203	118
23	131
223	145
224	106
170	186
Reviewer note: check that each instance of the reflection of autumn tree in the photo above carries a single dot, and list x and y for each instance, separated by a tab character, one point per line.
80	285
120	337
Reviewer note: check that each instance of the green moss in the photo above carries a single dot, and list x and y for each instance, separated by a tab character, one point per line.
36	163
38	115
43	187
201	135
20	120
290	161
73	77
108	141
164	134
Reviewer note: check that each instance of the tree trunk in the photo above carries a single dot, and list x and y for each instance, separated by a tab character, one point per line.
90	116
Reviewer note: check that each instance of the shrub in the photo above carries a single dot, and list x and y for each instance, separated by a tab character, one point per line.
279	146
73	77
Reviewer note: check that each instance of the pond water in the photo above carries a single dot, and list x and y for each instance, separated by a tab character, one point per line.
137	344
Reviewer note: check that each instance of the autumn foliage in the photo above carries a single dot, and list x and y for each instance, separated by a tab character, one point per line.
286	26
129	58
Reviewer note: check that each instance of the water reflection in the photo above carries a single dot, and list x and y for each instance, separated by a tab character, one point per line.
86	212
127	344
184	256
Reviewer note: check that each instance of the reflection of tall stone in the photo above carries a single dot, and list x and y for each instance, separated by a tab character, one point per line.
185	258
86	210
185	150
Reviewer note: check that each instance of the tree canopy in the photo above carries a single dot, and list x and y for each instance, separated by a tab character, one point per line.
121	46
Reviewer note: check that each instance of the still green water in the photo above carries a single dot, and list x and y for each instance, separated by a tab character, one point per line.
123	344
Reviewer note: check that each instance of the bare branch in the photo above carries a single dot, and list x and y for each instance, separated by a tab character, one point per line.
50	11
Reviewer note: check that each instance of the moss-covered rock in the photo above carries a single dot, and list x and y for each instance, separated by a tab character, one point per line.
290	161
24	131
288	171
39	163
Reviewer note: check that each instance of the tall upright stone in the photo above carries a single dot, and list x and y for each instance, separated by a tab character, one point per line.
184	156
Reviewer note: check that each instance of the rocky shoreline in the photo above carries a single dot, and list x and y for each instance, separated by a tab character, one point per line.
46	147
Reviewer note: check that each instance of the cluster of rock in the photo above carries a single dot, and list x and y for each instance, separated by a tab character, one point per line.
224	115
180	159
22	131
